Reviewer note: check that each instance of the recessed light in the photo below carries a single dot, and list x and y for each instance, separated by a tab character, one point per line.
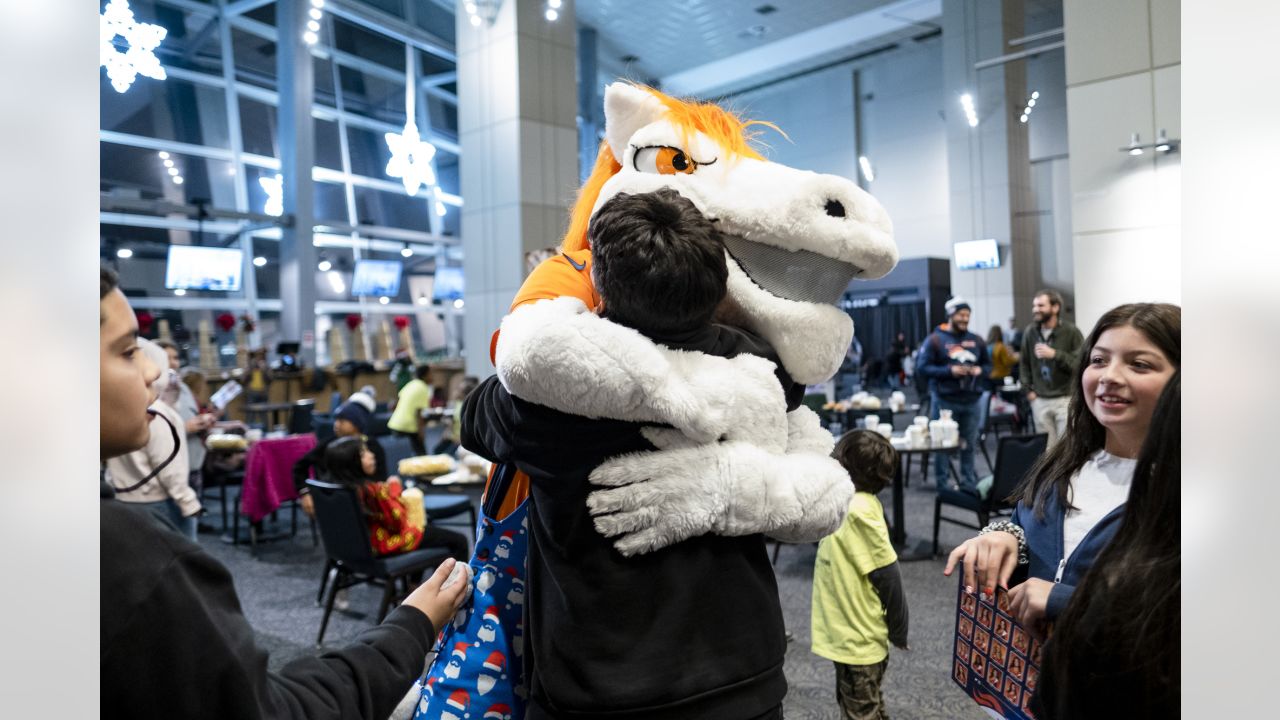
124	253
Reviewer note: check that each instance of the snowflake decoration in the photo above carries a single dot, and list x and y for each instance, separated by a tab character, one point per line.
275	194
411	158
143	38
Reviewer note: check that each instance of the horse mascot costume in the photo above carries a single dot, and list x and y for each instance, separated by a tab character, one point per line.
794	241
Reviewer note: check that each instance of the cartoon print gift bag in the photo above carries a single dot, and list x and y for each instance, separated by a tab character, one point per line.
478	672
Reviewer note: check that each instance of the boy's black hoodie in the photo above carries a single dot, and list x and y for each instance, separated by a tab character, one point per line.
175	643
693	630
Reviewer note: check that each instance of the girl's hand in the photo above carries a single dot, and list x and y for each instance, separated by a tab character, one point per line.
987	559
1027	603
439	605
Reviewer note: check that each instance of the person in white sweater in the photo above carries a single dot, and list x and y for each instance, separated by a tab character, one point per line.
169	494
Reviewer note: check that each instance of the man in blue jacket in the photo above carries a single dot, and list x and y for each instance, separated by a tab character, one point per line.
955	362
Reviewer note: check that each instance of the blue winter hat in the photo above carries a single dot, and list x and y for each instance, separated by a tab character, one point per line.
356	411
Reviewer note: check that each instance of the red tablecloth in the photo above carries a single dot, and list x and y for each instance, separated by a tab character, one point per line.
268	479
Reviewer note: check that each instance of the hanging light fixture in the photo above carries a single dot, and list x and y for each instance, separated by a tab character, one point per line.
410	154
142	38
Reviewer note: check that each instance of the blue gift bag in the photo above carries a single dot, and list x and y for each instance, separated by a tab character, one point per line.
478	670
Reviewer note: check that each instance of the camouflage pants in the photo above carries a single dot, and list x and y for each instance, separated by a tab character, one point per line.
858	691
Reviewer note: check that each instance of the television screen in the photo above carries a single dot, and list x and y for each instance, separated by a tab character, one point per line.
449	284
977	254
376	278
192	267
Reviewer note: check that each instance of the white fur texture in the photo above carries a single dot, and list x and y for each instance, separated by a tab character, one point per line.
558	354
810	339
655	499
626	110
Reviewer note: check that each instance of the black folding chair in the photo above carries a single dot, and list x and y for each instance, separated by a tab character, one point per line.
348	550
1015	455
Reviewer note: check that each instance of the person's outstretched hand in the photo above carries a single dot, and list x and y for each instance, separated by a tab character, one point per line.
987	560
439	605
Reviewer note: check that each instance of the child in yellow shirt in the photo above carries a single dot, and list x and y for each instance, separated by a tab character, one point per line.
858	603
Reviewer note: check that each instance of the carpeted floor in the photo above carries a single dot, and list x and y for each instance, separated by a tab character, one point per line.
278	591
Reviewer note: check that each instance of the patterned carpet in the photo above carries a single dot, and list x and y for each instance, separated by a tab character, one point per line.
278	591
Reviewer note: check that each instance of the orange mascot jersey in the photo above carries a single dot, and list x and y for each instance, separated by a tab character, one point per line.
568	273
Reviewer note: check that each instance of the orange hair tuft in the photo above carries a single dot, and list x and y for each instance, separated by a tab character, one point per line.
723	127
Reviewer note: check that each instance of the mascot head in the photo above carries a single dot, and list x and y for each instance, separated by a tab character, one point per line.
794	238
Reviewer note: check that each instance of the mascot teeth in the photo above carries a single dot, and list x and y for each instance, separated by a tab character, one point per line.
798	275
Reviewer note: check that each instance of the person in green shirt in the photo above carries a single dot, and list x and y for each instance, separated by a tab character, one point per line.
858	603
1049	363
406	419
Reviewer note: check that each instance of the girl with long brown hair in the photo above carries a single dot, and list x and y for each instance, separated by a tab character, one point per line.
1071	503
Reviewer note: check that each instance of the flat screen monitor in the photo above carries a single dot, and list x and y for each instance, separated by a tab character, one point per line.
376	278
449	284
192	267
977	254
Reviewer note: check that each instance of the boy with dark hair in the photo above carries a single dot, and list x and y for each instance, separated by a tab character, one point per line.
174	641
638	636
858	603
661	264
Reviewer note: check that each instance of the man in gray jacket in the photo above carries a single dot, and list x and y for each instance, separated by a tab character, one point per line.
1050	361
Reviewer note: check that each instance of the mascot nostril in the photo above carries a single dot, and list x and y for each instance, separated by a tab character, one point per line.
835	208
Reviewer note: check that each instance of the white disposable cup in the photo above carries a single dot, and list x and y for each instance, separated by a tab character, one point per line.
871	421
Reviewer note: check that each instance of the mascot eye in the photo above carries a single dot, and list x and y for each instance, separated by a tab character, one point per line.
664	160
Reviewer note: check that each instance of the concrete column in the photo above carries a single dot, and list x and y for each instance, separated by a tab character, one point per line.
517	107
988	165
294	71
1123	77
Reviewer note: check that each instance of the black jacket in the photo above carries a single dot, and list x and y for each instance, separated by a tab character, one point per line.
690	631
175	643
315	458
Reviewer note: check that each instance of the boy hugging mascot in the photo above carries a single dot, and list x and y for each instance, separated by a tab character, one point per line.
794	240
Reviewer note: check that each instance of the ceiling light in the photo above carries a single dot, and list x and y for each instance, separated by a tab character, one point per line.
1135	144
552	15
313	26
1162	142
1031	102
168	163
179	292
971	114
317	4
164	155
335	282
1023	118
310	38
867	172
554	3
422	300
406	251
1035	95
177	180
384	299
173	171
475	20
458	303
324	266
259	261
124	253
231	171
315	13
471	8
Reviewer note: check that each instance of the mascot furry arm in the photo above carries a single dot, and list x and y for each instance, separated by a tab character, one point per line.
795	239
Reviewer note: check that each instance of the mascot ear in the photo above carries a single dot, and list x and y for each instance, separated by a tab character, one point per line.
627	108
